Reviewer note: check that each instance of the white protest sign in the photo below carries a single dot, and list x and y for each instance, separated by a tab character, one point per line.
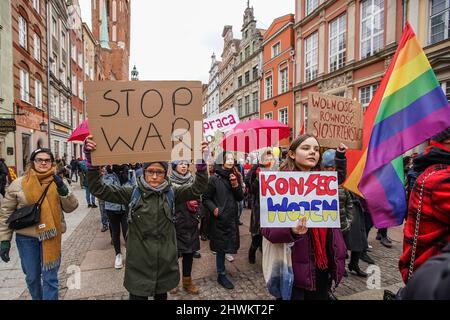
222	122
285	197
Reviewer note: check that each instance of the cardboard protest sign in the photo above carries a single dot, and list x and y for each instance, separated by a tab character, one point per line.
285	197
142	121
222	122
334	120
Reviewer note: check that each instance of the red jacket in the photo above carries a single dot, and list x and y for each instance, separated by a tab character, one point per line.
434	230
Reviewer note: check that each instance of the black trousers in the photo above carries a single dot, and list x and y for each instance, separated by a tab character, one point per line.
188	259
116	220
383	232
256	241
159	296
321	293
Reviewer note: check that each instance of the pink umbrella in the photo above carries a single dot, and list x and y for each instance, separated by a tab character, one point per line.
254	134
80	133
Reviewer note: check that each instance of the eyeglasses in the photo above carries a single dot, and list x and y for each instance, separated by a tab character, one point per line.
43	161
158	173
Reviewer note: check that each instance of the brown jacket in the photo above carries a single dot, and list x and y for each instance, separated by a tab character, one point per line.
15	199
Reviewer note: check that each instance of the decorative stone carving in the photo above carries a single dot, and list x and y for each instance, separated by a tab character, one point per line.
336	82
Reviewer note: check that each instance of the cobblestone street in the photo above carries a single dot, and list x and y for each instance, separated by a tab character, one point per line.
90	251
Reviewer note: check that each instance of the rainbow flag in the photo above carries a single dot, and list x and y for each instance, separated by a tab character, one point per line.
410	107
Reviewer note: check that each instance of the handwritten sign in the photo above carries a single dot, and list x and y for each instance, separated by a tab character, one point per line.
222	122
142	121
285	197
334	120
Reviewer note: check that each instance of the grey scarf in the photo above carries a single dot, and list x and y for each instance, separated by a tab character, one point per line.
179	179
148	187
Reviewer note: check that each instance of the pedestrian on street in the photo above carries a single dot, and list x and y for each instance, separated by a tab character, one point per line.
90	198
101	205
117	176
151	266
318	254
252	178
222	197
205	214
187	218
427	229
39	246
3	176
74	170
351	212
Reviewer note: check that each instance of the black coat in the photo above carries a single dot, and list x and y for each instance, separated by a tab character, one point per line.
355	238
253	183
223	230
186	225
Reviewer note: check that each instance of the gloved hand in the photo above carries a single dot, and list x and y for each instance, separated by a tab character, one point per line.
61	187
5	246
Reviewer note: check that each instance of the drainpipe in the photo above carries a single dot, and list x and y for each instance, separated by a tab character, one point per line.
49	48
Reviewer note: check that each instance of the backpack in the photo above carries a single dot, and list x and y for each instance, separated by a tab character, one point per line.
136	196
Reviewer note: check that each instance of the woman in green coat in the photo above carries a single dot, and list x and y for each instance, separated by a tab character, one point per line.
151	266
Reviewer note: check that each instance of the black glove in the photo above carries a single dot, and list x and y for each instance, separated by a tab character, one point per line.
62	188
5	246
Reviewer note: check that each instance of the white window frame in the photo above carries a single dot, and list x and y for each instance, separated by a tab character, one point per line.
276	49
268	87
54	26
255	102
305	116
63	40
247	104
371	19
74	85
280	115
23	32
446	13
268	115
283	83
24	85
73	53
372	89
80	59
80	89
36	6
310	6
340	23
37	47
311	57
38	93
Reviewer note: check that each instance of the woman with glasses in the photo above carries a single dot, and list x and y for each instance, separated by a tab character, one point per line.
39	246
151	264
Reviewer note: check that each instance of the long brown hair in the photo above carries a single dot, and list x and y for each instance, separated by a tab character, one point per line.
289	163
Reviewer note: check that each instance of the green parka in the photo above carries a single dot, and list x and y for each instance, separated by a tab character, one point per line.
152	259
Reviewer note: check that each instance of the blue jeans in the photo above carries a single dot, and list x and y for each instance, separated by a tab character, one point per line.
90	199
105	220
220	263
43	285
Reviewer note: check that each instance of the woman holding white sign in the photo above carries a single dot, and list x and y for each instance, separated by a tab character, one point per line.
318	254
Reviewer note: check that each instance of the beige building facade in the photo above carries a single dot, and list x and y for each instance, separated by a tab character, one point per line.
226	69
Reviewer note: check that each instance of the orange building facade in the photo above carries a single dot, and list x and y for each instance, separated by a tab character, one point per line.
343	48
277	81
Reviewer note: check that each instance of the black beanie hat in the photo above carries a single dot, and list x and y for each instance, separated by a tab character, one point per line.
165	164
42	150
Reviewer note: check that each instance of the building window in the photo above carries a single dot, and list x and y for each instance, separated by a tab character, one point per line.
247	77
240	108
86	68
446	88
74	118
284	80
54	27
255	101
63	40
372	27
74	85
311	5
80	60
283	116
114	11
276	50
239	81
305	117
38	93
24	86
36	5
80	90
56	147
268	115
338	28
439	20
247	104
74	53
255	72
23	32
247	52
366	94
268	87
311	57
114	33
63	74
37	47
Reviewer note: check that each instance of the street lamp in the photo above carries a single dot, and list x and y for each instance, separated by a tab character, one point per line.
43	126
134	74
